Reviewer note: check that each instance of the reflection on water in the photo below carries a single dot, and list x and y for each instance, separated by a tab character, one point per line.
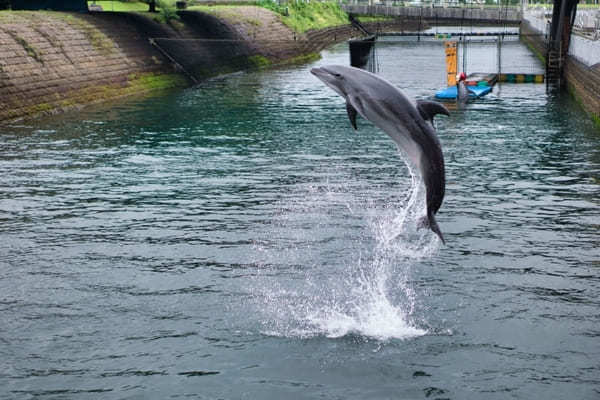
239	240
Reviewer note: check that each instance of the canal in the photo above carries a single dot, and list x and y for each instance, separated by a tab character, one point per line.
238	240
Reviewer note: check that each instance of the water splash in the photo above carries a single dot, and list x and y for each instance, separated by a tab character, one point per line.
308	286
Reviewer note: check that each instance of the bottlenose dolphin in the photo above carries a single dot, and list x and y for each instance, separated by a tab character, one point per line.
409	125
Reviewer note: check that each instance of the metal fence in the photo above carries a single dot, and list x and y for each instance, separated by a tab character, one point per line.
585	40
586	24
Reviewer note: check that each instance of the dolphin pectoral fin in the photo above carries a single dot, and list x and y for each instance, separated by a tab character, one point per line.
429	109
431	223
352	115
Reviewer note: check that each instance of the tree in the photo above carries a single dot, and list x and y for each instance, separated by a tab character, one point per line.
151	5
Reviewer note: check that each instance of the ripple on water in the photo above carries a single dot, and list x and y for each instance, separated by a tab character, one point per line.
255	246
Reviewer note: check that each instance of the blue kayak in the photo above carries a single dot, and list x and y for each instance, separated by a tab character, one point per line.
474	91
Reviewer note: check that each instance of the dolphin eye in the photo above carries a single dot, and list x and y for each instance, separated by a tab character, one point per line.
337	75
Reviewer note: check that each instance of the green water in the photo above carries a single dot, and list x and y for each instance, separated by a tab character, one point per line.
238	240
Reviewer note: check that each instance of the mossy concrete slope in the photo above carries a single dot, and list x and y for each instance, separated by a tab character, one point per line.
54	61
51	61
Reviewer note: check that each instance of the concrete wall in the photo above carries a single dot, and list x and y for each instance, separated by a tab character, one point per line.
584	84
53	61
585	49
582	80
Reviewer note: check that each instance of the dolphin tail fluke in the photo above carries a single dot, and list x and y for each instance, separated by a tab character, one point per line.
428	221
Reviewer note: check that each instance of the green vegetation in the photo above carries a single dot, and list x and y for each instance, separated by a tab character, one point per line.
273	6
258	62
580	102
32	18
297	15
150	81
534	50
302	16
97	38
304	58
138	84
365	18
120	5
596	119
167	12
31	51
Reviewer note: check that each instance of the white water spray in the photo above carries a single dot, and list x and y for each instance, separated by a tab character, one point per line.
346	268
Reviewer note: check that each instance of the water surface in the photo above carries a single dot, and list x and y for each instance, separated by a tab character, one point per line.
237	240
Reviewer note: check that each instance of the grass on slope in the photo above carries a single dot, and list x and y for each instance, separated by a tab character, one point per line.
108	5
298	16
301	16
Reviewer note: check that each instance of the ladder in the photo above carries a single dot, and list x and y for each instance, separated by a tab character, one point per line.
554	64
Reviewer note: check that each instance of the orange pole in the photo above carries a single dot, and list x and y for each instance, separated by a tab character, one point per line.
451	62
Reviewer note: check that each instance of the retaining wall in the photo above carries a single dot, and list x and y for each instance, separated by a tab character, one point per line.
54	61
582	80
247	37
51	61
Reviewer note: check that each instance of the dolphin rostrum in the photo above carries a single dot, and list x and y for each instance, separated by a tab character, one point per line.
409	125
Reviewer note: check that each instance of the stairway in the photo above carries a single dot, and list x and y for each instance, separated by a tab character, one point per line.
554	64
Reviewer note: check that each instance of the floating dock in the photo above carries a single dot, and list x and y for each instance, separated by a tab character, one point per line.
478	83
481	79
451	92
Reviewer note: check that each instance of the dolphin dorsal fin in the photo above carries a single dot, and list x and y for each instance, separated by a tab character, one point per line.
429	109
352	114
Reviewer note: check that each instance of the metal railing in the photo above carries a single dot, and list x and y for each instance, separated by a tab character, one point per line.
586	24
430	3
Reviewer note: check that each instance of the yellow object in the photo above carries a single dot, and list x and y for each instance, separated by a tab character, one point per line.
451	62
520	78
539	78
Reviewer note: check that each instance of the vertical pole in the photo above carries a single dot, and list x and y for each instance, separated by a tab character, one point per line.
499	56
559	28
464	61
419	31
451	62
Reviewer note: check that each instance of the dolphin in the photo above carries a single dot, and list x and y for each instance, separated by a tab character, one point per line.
409	125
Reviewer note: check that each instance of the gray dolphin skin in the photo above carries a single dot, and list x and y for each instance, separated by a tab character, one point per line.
409	125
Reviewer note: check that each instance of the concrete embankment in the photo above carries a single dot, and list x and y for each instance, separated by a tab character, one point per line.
582	78
54	61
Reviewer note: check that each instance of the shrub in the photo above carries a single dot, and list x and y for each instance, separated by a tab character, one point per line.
167	11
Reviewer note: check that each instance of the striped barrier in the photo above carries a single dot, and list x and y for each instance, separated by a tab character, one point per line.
522	78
